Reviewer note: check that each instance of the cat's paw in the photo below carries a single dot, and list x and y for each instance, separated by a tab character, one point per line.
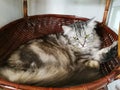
93	64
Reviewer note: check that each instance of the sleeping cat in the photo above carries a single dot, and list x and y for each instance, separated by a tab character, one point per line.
59	60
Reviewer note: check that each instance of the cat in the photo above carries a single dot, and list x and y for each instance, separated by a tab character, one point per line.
65	59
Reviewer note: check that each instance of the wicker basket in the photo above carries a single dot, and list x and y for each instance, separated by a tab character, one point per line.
25	29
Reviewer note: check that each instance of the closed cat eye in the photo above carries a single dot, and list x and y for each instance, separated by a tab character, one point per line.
75	38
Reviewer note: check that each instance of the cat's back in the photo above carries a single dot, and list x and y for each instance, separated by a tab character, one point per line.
43	59
42	50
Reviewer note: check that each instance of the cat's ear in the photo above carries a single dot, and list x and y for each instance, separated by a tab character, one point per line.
66	29
91	22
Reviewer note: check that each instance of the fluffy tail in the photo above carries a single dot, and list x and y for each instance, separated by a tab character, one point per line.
112	53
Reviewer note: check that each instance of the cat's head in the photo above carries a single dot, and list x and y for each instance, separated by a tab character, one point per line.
79	31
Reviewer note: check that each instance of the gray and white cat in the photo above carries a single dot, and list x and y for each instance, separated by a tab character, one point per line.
64	59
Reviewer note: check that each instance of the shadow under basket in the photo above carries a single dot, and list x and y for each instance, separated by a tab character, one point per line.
20	31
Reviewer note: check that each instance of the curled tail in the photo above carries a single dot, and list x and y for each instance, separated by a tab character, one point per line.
112	53
107	53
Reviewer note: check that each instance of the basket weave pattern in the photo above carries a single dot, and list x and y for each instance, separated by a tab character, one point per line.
25	29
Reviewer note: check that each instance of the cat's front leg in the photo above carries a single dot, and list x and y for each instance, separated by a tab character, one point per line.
107	53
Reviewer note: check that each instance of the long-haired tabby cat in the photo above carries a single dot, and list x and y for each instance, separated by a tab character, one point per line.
65	59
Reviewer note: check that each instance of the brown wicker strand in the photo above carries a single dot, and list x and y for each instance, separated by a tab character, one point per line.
25	8
108	2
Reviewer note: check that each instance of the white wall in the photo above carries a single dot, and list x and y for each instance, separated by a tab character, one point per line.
86	8
83	8
37	7
11	10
